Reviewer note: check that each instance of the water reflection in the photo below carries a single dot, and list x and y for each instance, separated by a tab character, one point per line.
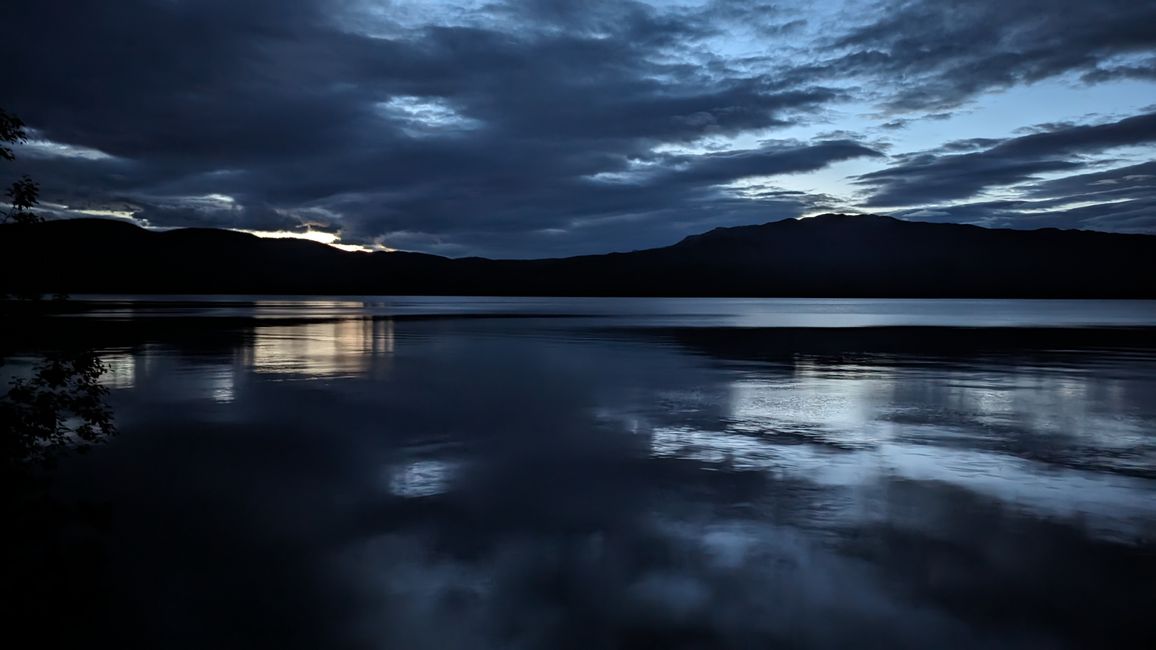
161	370
345	347
697	312
311	350
449	483
420	478
121	373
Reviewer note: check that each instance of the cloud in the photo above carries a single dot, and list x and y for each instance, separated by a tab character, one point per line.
1122	199
521	128
924	178
929	55
466	132
214	211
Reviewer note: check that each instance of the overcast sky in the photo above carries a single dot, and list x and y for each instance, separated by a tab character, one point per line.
542	127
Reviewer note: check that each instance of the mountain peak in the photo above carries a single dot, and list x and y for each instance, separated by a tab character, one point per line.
825	220
827	217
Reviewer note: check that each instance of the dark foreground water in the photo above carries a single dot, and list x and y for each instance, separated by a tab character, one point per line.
626	474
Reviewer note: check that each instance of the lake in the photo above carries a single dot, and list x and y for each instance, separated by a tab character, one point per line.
400	472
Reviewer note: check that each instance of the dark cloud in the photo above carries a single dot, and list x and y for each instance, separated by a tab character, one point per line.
513	128
930	55
723	167
1144	69
1113	183
924	178
216	215
461	133
1134	216
1122	199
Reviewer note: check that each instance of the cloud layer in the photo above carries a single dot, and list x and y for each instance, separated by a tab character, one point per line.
540	128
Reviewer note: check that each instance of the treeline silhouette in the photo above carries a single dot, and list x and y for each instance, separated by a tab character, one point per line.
826	256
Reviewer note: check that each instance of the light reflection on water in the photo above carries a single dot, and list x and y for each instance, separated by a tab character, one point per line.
699	312
349	348
344	347
486	484
420	478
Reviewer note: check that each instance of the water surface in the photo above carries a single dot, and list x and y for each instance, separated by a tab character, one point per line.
725	312
540	473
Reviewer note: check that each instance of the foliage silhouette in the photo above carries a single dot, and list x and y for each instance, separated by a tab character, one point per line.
60	405
11	132
53	567
22	195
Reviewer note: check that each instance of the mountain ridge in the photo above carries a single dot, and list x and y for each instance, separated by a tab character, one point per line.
827	255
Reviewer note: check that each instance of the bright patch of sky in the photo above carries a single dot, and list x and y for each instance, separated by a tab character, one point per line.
315	236
425	116
37	147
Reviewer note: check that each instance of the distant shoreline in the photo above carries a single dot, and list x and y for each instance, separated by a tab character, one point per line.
829	256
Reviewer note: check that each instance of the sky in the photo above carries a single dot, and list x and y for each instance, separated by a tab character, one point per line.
544	128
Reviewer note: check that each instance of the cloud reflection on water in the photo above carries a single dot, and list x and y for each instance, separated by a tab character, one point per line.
451	484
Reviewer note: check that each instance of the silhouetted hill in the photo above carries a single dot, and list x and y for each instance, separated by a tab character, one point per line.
829	255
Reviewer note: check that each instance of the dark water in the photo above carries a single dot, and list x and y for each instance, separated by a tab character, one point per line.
629	474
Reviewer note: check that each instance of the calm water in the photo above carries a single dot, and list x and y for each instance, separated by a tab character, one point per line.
589	473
